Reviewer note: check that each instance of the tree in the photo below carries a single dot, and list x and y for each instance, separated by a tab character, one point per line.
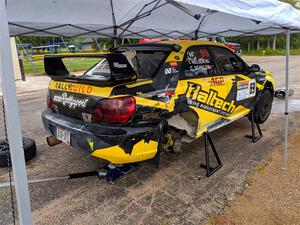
294	3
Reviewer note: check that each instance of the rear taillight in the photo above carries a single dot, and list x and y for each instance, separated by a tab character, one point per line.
49	102
114	110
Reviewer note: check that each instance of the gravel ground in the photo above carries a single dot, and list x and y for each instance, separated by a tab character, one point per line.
176	193
273	195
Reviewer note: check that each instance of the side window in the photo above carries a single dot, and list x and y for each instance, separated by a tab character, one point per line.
198	62
228	62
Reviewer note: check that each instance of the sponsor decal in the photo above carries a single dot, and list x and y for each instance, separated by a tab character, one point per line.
119	65
78	88
243	84
245	89
209	101
217	81
70	101
204	53
170	70
144	95
192	58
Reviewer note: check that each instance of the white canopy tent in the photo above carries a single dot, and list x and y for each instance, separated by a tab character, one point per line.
150	18
127	19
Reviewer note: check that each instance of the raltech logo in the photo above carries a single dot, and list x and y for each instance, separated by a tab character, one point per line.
209	101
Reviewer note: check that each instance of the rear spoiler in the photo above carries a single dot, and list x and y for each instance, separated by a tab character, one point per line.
54	65
121	69
148	47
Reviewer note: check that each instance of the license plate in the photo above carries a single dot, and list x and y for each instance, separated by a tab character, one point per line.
63	135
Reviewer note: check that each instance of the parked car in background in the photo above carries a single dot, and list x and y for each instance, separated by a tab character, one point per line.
235	47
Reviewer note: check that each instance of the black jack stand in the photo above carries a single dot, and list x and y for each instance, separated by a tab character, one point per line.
253	135
210	170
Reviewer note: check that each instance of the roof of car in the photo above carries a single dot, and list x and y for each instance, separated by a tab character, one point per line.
175	45
188	43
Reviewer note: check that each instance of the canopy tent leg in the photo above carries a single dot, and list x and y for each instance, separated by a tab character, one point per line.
286	113
13	121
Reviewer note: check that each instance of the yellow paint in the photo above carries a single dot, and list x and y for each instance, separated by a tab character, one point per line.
141	151
139	83
91	144
151	103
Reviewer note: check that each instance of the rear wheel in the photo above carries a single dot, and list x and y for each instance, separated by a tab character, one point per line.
263	107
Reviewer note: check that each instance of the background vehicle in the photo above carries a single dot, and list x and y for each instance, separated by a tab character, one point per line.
143	97
235	47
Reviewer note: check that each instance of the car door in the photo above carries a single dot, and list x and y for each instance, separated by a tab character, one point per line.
242	88
204	88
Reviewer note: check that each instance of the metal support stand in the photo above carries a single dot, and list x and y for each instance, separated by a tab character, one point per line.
210	170
253	135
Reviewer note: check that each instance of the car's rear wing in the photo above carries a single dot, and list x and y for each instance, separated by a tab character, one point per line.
120	68
54	65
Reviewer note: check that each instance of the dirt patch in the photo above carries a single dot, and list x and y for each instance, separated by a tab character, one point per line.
273	194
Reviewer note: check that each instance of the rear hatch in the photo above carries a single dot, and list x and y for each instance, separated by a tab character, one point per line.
79	96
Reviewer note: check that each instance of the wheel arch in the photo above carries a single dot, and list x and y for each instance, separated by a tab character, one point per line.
269	86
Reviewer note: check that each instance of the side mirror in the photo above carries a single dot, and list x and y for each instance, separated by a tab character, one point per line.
254	68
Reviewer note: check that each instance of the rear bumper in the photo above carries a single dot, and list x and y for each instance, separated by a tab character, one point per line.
112	143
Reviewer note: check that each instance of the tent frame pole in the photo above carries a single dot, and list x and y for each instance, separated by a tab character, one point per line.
13	121
286	113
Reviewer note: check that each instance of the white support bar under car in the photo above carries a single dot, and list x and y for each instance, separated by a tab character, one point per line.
13	121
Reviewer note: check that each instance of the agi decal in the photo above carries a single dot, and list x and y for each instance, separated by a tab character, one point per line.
209	101
217	81
70	101
245	89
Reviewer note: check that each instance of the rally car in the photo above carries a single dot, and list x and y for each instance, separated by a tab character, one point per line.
142	98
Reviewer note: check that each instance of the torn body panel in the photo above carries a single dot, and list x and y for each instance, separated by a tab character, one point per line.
116	144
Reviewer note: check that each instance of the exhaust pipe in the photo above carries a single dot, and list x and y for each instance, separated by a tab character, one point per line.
52	141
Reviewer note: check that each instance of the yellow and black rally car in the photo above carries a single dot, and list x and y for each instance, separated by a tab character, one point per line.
142	97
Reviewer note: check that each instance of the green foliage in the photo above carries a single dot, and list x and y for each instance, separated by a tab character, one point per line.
252	42
72	65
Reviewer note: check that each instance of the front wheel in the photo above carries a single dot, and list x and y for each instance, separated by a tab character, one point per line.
263	107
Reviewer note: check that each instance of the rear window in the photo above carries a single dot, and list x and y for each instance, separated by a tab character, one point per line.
100	70
145	64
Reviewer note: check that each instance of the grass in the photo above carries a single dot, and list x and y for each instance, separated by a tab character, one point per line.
72	64
270	52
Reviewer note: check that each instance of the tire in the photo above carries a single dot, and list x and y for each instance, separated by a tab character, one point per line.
263	107
29	151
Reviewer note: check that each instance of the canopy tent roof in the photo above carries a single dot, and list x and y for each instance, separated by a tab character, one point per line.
150	18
